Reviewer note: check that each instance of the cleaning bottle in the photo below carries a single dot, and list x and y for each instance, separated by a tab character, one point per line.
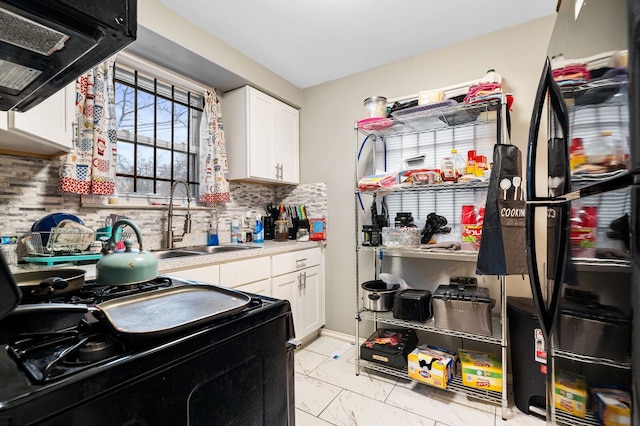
258	230
212	232
235	230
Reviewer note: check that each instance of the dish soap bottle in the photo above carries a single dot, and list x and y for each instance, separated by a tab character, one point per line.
212	233
258	230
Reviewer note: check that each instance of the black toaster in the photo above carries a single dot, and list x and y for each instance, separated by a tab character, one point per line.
412	305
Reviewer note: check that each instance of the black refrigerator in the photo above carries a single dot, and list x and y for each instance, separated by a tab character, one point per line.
582	213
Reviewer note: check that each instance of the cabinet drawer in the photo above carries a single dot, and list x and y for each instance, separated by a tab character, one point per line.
294	261
244	271
262	288
205	274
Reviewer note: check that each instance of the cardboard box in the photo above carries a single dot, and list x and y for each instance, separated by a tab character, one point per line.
432	366
612	406
570	393
481	370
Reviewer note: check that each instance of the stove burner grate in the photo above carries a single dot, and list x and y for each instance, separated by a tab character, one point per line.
51	356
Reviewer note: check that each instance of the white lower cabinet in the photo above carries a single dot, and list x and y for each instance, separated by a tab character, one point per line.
207	274
299	278
241	273
296	276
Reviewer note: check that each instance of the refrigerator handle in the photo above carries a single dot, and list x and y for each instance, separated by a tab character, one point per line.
559	108
546	312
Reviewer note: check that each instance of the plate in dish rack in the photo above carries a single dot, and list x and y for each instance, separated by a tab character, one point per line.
374	123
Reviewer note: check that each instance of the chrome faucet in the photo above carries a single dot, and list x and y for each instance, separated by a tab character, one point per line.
169	238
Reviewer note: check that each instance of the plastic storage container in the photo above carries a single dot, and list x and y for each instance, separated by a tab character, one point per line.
375	106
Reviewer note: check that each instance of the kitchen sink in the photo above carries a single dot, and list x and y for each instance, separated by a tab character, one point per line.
173	253
217	249
196	251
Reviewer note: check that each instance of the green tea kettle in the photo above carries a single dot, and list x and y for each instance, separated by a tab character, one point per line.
128	267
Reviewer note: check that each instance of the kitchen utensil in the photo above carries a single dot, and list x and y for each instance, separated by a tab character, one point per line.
42	318
516	184
10	294
46	284
377	297
412	305
169	309
463	306
128	267
505	184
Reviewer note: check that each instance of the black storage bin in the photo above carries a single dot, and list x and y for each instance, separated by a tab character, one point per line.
592	329
399	344
529	378
462	306
412	305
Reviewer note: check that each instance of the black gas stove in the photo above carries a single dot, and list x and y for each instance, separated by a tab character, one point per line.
60	364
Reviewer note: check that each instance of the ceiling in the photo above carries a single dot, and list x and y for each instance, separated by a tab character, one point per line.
314	41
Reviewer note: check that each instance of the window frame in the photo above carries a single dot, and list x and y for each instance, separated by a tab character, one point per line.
165	85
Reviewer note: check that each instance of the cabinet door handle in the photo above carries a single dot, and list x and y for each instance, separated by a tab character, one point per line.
277	171
304	280
299	281
281	172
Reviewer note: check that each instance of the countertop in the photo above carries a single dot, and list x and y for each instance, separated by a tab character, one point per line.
166	266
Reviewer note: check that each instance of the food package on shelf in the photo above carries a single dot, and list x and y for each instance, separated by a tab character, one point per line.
583	231
570	393
433	366
481	370
378	181
471	222
612	406
389	347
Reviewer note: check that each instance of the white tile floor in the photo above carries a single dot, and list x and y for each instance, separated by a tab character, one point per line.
328	392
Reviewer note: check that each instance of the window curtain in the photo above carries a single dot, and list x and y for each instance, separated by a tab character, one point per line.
214	182
91	167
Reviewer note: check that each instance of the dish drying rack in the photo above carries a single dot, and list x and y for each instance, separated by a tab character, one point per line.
63	242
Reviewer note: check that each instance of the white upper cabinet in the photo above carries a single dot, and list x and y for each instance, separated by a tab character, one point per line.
262	135
46	130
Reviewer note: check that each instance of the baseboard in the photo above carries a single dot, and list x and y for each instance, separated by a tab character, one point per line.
338	335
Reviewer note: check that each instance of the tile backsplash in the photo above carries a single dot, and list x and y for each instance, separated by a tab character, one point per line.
29	191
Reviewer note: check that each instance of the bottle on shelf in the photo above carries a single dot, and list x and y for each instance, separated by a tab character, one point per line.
471	162
459	164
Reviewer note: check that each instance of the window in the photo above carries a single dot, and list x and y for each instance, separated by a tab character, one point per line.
158	126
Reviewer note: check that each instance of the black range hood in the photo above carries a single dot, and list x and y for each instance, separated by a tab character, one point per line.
45	44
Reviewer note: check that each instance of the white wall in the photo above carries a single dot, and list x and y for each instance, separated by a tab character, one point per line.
327	147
